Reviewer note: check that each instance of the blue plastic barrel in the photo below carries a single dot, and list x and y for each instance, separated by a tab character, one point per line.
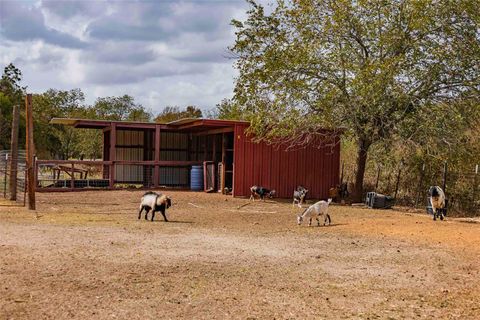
196	178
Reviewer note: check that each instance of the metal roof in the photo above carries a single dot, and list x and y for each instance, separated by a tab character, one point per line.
95	123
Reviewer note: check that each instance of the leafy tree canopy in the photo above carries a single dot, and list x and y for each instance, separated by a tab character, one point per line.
120	108
11	93
169	114
371	67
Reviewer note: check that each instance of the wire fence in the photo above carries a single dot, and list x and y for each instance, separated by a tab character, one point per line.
69	175
410	186
13	188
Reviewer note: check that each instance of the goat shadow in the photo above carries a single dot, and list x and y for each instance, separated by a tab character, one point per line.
328	226
337	225
173	221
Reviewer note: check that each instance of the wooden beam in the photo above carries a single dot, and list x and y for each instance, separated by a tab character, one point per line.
165	163
137	125
214	131
156	169
113	141
89	162
191	125
30	151
14	152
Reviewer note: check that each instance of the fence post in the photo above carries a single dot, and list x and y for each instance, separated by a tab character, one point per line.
422	173
30	152
72	181
14	153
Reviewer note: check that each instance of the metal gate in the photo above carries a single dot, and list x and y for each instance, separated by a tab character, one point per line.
13	188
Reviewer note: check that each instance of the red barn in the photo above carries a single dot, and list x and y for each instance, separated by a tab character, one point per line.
155	155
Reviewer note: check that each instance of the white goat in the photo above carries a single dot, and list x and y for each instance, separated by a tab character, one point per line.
316	210
437	199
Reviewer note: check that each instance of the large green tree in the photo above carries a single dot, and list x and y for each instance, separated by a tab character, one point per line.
365	66
169	114
120	108
55	140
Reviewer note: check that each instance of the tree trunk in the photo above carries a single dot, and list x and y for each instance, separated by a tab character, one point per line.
362	152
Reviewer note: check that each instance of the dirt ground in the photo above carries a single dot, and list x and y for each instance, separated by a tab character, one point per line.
86	256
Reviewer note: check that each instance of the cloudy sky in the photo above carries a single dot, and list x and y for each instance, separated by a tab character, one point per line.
160	52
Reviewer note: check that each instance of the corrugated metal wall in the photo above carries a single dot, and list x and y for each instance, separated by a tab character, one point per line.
174	147
261	164
129	146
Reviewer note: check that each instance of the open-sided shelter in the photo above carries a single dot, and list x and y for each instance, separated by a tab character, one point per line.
153	155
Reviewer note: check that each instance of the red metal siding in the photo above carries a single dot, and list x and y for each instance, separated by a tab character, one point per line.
274	168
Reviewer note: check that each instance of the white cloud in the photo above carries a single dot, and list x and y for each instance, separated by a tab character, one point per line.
161	53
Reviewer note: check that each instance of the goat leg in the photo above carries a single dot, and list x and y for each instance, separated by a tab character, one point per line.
164	216
140	212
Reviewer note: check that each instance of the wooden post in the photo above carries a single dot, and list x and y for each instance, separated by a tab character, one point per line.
30	151
14	153
113	143
156	170
5	177
72	180
222	177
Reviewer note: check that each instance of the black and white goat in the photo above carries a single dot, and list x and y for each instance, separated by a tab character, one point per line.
155	202
299	196
437	200
261	192
315	210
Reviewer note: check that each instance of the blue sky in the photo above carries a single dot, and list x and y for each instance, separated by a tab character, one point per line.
161	52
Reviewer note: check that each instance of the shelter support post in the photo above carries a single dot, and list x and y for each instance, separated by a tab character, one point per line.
156	170
112	151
